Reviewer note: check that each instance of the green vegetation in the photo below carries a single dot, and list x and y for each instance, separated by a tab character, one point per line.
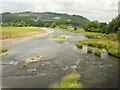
97	52
46	19
53	25
19	30
70	81
4	50
112	37
61	37
58	37
114	24
110	46
95	26
89	49
100	40
63	27
79	45
113	49
95	43
73	30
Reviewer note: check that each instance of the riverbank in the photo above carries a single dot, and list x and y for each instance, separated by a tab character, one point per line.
17	38
100	40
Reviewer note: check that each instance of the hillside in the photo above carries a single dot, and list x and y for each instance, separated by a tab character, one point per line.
42	19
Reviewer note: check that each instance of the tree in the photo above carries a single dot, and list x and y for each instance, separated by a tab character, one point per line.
63	26
75	28
102	24
53	25
92	26
114	25
104	29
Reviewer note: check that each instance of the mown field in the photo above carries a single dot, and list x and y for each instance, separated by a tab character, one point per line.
11	32
100	40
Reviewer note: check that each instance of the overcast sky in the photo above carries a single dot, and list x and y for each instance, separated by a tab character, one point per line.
101	10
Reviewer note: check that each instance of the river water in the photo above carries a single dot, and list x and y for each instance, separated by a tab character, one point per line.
60	58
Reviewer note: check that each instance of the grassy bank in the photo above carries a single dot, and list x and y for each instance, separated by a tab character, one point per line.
3	51
69	81
100	40
13	32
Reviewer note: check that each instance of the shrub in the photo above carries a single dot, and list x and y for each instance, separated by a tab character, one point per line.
75	28
89	50
3	50
97	52
79	45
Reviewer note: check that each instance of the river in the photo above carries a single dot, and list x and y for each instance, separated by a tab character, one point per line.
60	57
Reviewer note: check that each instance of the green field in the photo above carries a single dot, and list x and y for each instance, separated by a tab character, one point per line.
19	30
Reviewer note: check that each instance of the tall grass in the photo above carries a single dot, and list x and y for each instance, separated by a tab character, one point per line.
70	81
79	45
89	49
111	46
97	52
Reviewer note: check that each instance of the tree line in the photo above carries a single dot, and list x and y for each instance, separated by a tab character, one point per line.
95	26
9	19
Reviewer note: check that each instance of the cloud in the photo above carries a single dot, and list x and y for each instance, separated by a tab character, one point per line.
102	10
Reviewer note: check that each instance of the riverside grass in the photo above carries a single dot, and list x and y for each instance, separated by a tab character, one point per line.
110	46
79	45
97	52
89	49
4	50
57	37
69	81
63	37
19	30
100	40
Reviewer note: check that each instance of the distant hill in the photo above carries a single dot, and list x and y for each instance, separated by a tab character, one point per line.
42	19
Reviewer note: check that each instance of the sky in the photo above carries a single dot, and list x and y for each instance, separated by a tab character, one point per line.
101	10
